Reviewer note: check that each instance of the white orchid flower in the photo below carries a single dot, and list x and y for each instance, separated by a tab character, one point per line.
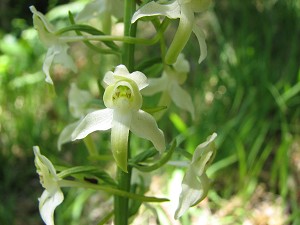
184	11
169	83
57	50
195	183
78	106
52	195
123	100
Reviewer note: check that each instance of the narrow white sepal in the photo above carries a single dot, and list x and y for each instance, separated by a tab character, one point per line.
155	85
66	135
145	126
202	44
97	120
171	10
182	99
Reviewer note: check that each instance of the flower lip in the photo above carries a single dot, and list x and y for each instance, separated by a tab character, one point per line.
124	94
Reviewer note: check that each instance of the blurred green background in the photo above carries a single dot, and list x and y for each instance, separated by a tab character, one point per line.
247	90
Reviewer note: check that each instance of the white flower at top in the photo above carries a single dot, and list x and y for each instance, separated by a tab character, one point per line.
195	183
169	83
78	106
52	195
57	50
123	100
184	11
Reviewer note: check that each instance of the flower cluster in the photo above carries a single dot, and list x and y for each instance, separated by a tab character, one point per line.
122	112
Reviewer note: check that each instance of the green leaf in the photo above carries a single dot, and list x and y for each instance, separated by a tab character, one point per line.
159	163
110	190
143	156
88	173
78	28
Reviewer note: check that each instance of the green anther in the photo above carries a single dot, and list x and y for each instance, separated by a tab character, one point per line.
122	91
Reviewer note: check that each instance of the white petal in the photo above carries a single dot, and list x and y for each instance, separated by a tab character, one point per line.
47	204
171	10
145	126
97	120
121	70
78	100
92	9
44	167
203	154
182	99
201	40
63	58
119	137
38	15
111	78
108	79
66	134
181	65
48	62
156	85
139	78
194	190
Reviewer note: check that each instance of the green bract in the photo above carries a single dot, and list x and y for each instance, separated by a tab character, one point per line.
57	50
169	83
52	195
184	11
123	101
195	183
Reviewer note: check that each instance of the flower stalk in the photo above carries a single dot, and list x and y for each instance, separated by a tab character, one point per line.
121	204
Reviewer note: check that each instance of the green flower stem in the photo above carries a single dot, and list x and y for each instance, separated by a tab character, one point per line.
121	206
125	39
110	190
90	145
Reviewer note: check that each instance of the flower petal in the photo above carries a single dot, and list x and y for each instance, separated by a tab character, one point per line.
182	34
66	134
44	167
194	190
181	98
119	137
139	78
201	40
47	204
145	126
181	65
78	100
48	62
121	72
171	10
91	10
156	85
204	154
97	120
41	24
63	58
